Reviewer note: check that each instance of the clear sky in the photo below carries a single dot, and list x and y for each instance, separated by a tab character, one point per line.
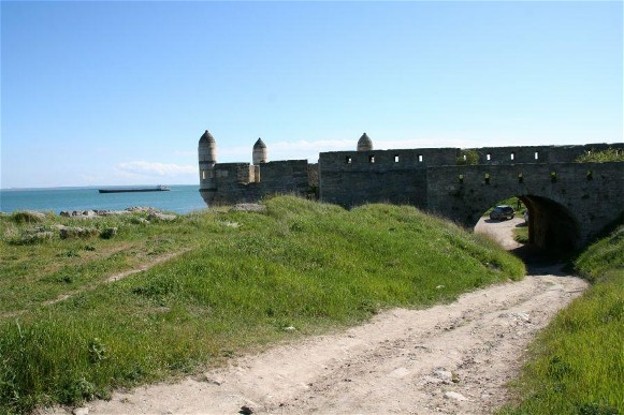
102	93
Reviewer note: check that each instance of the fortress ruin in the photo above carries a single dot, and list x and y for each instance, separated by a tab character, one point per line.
569	202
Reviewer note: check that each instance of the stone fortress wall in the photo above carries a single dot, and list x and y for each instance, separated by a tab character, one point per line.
567	200
351	178
229	183
242	182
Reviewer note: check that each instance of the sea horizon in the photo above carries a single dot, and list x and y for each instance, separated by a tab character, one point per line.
181	198
94	186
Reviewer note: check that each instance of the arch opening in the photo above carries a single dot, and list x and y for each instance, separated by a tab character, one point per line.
504	222
547	226
551	225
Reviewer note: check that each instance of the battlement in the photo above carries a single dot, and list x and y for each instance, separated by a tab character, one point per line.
397	159
536	154
426	157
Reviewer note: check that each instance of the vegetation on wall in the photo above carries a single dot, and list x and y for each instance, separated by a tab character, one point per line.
468	157
602	156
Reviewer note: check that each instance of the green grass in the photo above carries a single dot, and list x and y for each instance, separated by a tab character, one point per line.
244	279
38	271
521	234
577	364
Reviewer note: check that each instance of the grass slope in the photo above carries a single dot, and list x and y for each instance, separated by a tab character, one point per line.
578	361
246	277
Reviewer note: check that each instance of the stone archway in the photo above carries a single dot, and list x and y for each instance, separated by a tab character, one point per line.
551	225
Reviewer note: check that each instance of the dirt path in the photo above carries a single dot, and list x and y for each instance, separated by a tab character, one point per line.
453	359
501	232
448	359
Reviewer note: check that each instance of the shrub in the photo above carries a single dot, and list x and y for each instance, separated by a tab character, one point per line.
601	156
468	157
28	216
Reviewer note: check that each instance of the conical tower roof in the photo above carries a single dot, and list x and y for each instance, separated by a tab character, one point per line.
207	138
259	144
365	143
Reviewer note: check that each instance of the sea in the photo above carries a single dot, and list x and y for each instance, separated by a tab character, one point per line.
180	199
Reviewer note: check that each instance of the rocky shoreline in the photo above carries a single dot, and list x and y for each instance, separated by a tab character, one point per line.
143	215
93	213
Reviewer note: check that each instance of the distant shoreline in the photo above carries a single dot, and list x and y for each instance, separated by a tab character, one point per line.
94	187
180	199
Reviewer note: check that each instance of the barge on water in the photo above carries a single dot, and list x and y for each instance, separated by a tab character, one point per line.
159	188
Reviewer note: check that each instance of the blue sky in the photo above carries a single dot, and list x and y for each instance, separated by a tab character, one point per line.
101	93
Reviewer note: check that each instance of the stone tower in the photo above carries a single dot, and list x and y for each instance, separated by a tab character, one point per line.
365	143
207	151
259	152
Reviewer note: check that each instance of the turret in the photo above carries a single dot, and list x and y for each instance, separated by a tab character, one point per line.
259	154
365	143
207	152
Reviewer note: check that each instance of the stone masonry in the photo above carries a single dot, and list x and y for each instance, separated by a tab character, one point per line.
569	203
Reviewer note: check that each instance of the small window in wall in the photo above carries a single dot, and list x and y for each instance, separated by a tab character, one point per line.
536	155
348	160
464	157
553	176
512	156
590	175
420	158
371	159
520	178
486	178
461	178
396	158
203	174
488	157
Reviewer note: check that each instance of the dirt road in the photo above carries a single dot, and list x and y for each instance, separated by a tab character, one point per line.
447	359
453	359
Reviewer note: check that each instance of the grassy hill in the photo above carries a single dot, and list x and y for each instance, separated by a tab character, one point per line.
577	364
236	281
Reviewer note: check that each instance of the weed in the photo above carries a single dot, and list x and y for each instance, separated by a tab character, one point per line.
77	391
97	350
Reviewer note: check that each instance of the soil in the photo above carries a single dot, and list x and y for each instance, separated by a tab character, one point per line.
450	359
